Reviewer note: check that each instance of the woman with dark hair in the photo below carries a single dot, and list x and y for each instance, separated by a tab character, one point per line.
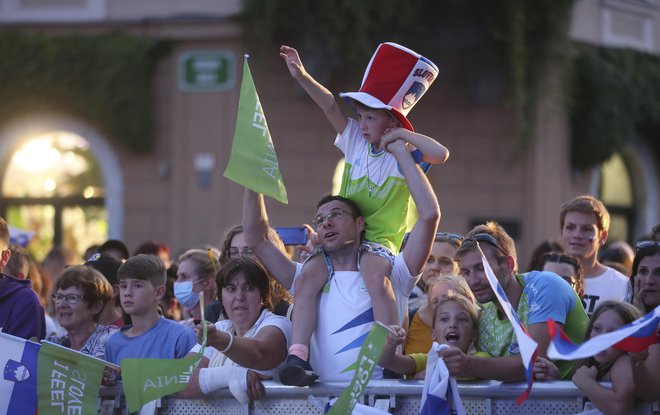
567	267
234	246
79	296
250	343
646	287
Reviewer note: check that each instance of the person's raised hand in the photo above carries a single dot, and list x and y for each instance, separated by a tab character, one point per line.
293	62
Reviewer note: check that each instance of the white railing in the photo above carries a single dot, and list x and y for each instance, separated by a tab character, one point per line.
397	396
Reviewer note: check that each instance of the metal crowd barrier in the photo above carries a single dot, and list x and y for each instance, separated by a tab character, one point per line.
401	397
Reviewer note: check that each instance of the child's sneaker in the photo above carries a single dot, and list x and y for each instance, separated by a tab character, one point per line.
297	372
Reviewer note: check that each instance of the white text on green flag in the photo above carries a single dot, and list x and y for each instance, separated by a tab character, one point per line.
67	381
253	162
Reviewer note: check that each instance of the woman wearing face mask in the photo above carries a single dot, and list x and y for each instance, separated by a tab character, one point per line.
195	276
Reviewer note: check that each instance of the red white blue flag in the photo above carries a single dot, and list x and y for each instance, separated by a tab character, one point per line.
633	337
526	344
18	385
440	395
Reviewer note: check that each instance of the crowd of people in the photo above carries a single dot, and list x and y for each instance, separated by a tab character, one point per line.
270	317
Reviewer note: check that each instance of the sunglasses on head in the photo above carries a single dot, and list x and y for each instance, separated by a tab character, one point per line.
484	237
446	236
645	244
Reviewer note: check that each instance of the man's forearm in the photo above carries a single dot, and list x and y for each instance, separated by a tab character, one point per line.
504	369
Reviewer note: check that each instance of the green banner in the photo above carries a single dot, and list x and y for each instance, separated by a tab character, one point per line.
67	381
253	162
147	379
367	360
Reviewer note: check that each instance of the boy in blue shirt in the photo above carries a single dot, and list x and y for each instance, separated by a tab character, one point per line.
141	287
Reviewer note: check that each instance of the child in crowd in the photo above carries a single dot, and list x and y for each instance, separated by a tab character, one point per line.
141	287
455	323
395	80
420	333
611	365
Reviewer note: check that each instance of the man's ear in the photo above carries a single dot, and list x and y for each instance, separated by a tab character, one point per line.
359	221
510	264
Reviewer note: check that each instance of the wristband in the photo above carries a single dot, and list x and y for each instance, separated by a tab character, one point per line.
231	342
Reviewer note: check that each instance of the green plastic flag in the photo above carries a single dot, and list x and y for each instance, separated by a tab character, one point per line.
367	360
253	162
67	381
147	379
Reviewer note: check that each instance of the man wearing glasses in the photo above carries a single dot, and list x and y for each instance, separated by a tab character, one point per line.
536	296
345	313
21	314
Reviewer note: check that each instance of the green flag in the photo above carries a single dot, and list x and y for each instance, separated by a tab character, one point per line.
367	360
147	379
253	162
67	381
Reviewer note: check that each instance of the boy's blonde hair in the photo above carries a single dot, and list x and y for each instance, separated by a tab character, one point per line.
472	309
144	267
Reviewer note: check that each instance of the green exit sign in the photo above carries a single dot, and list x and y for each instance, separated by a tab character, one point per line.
207	71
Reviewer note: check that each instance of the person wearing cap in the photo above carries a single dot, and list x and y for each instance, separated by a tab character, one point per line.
112	313
394	81
536	296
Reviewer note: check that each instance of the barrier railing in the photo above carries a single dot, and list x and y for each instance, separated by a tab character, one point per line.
400	397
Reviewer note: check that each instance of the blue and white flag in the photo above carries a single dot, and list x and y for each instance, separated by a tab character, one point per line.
633	337
440	395
18	386
526	344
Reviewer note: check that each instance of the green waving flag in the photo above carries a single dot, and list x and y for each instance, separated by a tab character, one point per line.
147	379
67	381
253	162
366	362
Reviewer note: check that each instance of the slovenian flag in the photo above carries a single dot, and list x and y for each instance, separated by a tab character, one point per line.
440	395
18	386
633	337
526	344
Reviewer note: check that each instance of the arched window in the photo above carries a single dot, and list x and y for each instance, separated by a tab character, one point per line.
53	185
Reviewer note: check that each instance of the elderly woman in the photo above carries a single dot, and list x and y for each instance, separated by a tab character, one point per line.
79	296
646	286
250	344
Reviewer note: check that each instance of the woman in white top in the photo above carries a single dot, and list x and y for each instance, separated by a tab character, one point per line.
250	344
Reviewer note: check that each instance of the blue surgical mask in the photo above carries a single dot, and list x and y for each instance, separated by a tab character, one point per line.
183	291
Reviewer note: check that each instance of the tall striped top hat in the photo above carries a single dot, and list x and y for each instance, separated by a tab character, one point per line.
395	79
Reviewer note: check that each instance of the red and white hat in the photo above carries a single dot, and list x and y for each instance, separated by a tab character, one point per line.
395	79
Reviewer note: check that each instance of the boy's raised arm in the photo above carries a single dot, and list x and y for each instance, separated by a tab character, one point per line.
432	151
320	94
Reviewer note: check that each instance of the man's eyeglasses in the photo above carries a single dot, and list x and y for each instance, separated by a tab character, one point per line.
645	244
70	299
484	237
334	214
236	253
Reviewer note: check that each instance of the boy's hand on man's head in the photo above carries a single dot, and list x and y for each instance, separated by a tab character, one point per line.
293	62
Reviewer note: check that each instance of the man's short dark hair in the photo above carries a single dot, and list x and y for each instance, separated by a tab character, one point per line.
116	245
144	267
355	210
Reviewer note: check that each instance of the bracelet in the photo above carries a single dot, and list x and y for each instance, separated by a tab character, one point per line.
231	341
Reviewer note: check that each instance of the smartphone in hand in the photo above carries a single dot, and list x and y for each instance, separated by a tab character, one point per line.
293	236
